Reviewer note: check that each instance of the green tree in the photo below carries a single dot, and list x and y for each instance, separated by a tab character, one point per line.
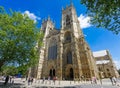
18	38
9	70
104	13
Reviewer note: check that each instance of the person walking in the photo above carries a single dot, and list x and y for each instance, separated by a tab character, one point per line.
29	81
111	80
13	80
49	80
6	80
95	80
43	80
114	80
10	79
54	78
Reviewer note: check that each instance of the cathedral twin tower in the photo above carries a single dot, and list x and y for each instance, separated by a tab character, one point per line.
65	53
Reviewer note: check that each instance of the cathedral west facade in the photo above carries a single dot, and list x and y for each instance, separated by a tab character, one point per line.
65	53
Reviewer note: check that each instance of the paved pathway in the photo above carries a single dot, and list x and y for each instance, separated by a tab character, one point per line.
58	84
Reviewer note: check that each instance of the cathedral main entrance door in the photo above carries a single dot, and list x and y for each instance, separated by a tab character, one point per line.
52	73
71	74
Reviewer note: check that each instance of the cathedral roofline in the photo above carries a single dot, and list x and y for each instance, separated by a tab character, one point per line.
48	19
100	53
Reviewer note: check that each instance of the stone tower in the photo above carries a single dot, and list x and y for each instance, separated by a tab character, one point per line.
65	53
47	26
76	56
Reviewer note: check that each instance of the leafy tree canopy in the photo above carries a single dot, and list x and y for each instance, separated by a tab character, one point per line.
104	13
9	70
18	38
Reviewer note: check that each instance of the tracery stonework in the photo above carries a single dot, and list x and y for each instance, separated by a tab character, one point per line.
65	53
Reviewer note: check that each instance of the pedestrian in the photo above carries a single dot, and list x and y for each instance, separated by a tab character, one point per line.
54	78
111	80
35	80
114	80
29	81
6	80
49	80
26	78
82	78
100	79
13	80
43	80
10	79
94	80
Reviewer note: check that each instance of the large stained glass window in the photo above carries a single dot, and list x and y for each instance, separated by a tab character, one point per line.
69	57
52	52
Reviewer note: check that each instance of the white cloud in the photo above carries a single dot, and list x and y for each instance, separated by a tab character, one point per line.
84	21
32	16
117	63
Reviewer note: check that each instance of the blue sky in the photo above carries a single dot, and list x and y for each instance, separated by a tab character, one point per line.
97	38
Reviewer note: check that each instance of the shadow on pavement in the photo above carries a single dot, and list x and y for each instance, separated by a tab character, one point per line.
54	87
9	85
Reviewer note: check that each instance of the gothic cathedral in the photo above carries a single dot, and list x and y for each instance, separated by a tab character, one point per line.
65	53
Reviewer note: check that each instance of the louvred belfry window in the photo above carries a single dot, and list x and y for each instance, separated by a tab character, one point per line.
67	20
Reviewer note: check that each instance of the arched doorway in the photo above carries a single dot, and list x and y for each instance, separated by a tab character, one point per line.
71	74
52	73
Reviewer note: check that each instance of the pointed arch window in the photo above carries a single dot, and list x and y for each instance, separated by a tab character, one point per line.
69	57
67	20
52	52
68	37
